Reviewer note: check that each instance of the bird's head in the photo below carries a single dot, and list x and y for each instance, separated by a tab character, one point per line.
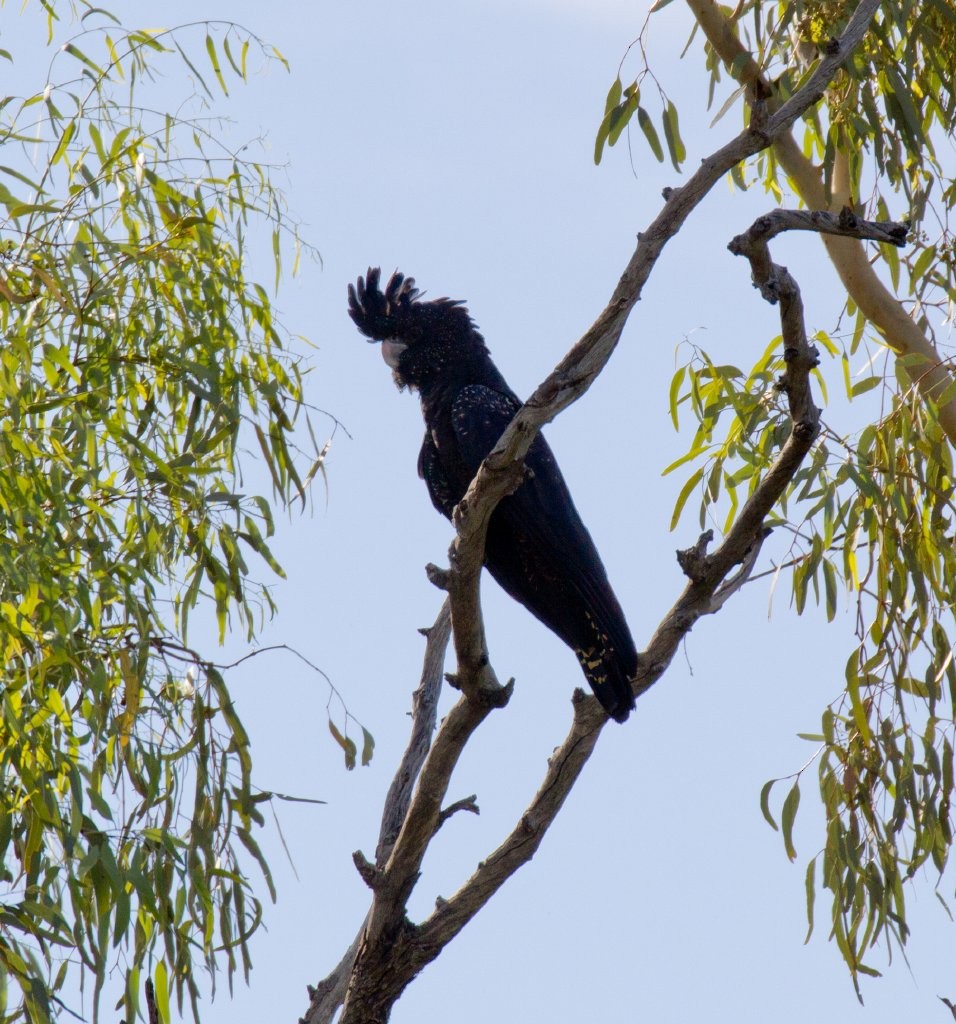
421	341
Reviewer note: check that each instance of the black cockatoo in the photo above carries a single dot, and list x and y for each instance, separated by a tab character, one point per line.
537	547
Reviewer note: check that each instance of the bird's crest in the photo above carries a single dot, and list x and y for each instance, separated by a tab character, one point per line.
400	313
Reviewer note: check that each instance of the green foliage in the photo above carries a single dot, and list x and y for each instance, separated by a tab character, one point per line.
731	465
871	516
621	105
872	520
878	131
138	363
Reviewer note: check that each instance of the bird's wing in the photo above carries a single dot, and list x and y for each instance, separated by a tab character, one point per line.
542	506
538	548
479	417
431	471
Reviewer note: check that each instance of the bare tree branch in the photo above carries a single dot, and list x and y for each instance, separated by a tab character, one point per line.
710	587
326	997
501	472
392	957
389	954
392	949
522	843
424	717
846	223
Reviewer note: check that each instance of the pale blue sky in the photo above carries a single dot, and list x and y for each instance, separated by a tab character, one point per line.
454	141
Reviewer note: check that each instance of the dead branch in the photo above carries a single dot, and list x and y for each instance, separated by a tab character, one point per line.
846	223
468	803
709	587
712	582
403	949
564	767
424	717
392	950
501	472
326	997
753	242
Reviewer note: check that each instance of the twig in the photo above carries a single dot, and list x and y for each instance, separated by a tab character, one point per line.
730	586
371	875
468	803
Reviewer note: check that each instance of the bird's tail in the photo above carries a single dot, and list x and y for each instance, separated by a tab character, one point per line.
609	669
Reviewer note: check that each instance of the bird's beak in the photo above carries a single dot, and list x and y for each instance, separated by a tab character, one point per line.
392	351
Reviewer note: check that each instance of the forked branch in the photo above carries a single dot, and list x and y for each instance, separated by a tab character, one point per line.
392	950
501	472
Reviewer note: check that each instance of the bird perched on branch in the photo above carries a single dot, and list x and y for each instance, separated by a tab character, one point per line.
537	548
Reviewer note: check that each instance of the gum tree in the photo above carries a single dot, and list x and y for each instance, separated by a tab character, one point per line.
870	515
139	363
141	357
